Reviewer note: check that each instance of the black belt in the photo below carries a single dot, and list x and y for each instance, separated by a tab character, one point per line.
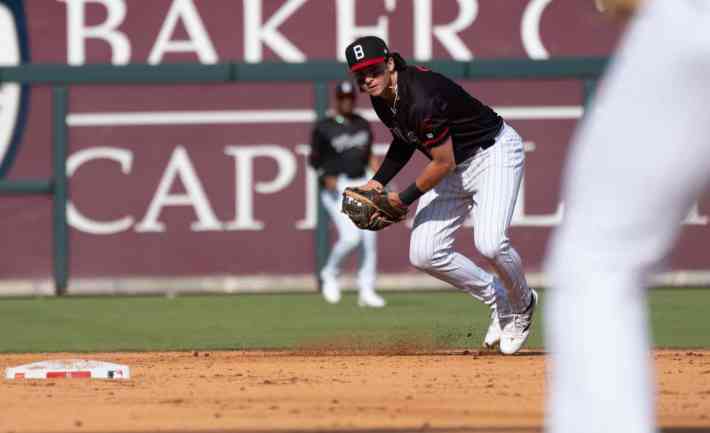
473	150
487	143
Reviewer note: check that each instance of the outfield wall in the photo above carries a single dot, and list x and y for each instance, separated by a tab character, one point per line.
206	186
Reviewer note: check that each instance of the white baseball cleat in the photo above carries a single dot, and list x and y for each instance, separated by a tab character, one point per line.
492	338
329	288
517	328
370	299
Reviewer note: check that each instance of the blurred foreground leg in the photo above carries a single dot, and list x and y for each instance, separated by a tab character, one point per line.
638	162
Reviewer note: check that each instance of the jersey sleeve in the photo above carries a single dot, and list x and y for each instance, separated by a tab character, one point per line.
400	151
432	122
398	154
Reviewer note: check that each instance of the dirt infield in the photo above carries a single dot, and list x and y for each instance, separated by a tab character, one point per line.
291	392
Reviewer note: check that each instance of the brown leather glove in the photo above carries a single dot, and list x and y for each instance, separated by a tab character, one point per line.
371	209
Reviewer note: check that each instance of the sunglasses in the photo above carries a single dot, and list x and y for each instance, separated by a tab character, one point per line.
371	71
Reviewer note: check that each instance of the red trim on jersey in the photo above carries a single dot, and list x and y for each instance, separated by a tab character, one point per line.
436	139
366	63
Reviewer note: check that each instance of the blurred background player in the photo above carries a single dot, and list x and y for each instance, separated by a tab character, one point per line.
638	162
341	152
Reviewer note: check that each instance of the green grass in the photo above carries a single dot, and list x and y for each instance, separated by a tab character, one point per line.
301	321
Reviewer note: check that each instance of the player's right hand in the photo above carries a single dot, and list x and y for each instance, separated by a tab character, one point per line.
372	184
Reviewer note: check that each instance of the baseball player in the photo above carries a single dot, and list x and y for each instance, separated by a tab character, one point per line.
476	164
639	160
341	152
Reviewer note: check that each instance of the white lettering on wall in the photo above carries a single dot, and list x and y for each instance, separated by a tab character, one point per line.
180	167
256	34
446	34
198	39
521	218
263	32
348	31
78	32
77	220
244	166
530	29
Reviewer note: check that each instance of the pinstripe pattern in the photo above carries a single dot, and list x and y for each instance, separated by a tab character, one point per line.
349	237
487	185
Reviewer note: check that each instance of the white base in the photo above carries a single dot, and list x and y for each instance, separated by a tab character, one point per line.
69	368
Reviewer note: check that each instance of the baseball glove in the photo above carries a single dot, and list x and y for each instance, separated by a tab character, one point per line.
371	209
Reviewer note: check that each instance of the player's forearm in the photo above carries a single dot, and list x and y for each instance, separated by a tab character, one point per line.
433	173
397	157
442	163
387	170
373	163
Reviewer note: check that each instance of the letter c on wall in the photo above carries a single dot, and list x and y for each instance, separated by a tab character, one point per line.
530	29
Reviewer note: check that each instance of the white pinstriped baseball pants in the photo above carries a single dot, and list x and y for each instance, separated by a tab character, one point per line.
349	237
639	160
485	185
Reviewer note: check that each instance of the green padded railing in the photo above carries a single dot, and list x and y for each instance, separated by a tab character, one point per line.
586	70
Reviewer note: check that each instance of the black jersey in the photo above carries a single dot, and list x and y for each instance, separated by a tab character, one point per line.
430	108
341	145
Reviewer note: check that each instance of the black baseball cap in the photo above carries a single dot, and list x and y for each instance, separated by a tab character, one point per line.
366	51
345	89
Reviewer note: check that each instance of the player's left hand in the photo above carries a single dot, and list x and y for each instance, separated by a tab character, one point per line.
371	185
381	220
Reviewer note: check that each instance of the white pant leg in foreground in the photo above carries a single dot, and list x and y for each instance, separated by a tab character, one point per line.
637	164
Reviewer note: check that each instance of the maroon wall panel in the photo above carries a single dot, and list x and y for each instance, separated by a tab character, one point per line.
235	185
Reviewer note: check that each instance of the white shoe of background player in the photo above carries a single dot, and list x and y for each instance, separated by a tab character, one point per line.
368	298
516	329
492	338
329	288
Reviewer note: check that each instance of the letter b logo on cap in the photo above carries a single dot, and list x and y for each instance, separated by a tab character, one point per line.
358	51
